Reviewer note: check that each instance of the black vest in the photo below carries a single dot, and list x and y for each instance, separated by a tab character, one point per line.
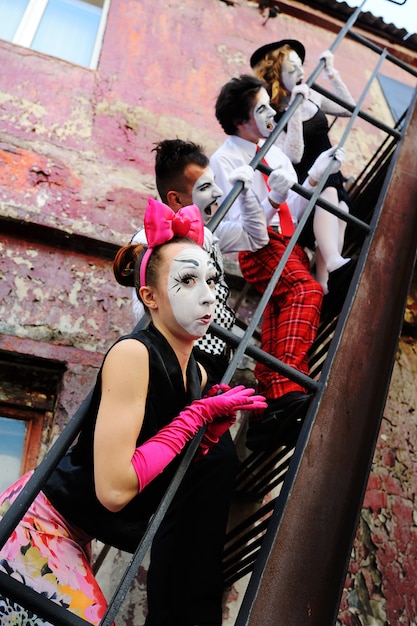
70	488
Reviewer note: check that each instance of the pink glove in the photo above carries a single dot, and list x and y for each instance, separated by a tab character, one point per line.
217	428
214	431
152	457
220	425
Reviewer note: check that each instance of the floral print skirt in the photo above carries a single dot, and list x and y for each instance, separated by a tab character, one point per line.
52	557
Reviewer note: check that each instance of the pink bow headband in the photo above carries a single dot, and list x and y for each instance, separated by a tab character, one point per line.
162	225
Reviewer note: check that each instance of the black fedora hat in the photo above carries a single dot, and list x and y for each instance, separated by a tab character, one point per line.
263	50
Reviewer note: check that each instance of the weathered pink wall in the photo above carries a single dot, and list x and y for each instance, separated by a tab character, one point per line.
77	142
76	154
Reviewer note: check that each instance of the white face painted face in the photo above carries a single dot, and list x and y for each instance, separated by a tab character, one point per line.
263	113
191	290
292	71
205	194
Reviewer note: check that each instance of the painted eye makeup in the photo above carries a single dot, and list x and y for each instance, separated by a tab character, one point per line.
184	279
192	273
214	279
204	187
190	278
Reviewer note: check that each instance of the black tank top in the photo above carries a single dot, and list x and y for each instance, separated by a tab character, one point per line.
70	488
316	141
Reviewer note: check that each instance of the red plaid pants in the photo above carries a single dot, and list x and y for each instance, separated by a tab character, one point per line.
292	314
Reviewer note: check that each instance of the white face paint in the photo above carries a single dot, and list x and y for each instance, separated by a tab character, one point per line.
205	194
263	113
292	71
191	290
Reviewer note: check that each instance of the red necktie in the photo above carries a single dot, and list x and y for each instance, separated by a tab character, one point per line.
285	219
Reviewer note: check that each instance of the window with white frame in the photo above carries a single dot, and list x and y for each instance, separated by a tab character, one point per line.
68	29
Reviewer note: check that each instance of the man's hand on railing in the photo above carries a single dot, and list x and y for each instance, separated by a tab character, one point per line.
245	174
280	182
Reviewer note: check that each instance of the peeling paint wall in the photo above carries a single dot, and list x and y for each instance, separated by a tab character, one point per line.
381	587
59	298
76	156
76	144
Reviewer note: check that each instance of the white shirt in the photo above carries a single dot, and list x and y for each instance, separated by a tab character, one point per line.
236	151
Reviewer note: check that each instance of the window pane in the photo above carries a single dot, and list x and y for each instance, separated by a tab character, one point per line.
11	12
12	443
68	30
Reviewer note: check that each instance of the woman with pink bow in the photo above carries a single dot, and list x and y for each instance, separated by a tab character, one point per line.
145	407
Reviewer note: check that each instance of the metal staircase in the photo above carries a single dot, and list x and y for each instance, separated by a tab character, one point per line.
297	545
298	506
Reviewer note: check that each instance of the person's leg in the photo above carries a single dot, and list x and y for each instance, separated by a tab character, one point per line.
289	327
329	232
290	318
51	557
185	577
160	573
342	225
321	273
288	331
